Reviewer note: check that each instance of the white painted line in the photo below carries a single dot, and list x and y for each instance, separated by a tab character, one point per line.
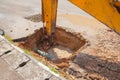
2	37
46	68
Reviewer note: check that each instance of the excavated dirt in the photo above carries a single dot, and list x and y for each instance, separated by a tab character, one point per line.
62	45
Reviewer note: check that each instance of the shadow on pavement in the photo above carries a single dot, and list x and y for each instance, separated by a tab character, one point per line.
95	65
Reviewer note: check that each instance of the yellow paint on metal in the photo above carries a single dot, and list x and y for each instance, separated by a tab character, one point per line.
49	12
102	10
117	4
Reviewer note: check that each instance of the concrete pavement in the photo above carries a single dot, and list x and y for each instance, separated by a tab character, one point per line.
7	73
13	13
10	61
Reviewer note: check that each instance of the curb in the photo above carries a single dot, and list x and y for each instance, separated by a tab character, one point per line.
39	63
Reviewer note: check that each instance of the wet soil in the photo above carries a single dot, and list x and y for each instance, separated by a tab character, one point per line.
34	18
66	39
62	45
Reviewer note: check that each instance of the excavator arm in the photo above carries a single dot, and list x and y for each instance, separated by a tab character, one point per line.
49	13
103	10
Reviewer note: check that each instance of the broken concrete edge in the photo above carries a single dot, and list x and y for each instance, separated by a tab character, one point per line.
36	61
2	38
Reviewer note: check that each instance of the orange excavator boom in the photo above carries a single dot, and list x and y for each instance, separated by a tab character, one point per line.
49	13
106	11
